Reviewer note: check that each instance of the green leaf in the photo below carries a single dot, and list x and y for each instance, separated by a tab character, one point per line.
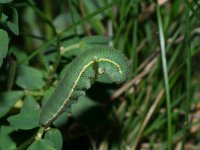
29	78
13	24
60	23
19	54
71	47
7	143
24	121
4	17
96	39
30	105
5	1
7	100
3	45
41	145
4	42
28	117
55	136
76	46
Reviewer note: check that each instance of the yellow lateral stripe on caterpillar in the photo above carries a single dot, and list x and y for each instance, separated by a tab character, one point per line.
117	65
76	82
82	73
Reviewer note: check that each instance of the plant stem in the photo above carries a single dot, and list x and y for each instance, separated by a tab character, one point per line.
40	133
56	64
11	73
166	80
48	14
37	136
187	75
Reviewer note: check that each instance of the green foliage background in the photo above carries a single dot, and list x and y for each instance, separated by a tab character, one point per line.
157	108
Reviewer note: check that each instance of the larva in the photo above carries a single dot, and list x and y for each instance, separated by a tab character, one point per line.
79	77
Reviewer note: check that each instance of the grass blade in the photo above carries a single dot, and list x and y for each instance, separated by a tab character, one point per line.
188	73
166	80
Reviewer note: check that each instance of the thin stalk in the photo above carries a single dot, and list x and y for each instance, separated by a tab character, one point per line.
188	74
72	9
11	73
37	136
48	14
166	80
41	48
134	51
134	58
56	64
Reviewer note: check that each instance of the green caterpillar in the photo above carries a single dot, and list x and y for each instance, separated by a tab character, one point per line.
82	73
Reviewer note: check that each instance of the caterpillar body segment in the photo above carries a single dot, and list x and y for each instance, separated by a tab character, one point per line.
80	76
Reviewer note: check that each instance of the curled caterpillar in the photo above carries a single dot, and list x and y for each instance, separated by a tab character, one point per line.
82	73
